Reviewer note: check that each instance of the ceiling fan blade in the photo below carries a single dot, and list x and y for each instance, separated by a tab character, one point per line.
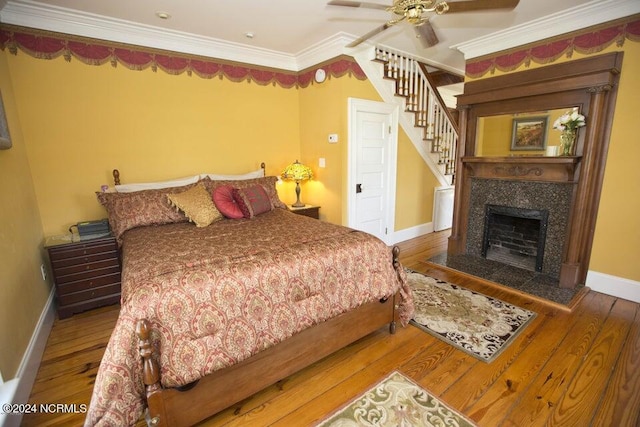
370	34
357	4
478	5
426	34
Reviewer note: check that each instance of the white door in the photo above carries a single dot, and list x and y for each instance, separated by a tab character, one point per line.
373	130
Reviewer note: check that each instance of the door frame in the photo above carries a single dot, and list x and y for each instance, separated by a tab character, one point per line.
355	106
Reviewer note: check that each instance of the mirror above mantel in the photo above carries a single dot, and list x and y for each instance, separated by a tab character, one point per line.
519	134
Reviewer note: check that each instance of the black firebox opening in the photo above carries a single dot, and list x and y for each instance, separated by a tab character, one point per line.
515	236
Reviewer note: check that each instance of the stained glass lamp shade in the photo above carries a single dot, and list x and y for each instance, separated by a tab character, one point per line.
297	172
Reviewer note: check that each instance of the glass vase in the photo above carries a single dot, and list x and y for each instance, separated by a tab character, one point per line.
567	139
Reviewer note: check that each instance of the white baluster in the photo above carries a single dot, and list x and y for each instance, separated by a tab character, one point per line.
420	99
401	80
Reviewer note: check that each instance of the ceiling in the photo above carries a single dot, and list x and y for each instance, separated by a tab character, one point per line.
292	34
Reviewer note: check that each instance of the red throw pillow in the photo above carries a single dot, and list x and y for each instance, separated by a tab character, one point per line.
252	200
224	201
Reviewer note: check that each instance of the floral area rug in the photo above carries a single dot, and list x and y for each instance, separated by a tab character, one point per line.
396	401
475	323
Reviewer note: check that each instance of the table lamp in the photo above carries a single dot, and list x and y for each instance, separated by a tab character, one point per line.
297	172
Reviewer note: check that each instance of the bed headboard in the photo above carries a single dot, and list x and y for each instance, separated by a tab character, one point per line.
116	173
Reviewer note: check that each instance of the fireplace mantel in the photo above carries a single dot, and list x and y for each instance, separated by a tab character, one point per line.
523	168
589	84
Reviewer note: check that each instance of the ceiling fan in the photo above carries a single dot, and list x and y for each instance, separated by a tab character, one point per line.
416	12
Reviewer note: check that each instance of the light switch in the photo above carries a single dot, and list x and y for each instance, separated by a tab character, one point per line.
321	162
333	138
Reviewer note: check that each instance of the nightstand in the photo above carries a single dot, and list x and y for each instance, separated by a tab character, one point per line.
306	210
86	273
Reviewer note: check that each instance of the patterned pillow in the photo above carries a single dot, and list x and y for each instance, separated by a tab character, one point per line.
140	208
252	200
268	182
223	199
196	205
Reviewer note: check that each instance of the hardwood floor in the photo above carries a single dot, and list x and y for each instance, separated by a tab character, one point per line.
568	368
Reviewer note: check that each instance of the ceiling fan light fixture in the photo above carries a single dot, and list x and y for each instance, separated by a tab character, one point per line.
414	14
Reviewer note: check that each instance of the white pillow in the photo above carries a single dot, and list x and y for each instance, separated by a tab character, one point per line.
130	188
249	175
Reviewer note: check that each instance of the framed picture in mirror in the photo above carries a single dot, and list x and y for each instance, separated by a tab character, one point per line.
529	133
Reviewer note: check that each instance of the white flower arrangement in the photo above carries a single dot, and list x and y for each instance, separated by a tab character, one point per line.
569	121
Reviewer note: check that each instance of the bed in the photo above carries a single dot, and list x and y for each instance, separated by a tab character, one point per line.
211	314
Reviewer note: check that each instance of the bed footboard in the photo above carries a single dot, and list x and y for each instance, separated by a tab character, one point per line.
223	388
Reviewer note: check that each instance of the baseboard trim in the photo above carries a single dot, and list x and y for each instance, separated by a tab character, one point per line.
615	286
7	391
18	389
410	233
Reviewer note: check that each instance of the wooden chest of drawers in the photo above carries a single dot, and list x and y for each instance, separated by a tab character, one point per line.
86	274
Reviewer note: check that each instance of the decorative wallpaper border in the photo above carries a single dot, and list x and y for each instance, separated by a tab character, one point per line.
586	42
49	45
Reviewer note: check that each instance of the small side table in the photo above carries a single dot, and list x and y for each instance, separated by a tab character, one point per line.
306	210
86	273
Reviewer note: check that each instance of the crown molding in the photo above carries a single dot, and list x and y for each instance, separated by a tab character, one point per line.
68	21
324	50
579	17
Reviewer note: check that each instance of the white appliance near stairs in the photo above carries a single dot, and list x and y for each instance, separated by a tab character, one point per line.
401	80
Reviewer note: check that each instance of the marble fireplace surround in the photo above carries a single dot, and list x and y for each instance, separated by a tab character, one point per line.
528	182
552	197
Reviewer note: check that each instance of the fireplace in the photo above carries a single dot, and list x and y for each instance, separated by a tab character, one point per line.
515	236
550	202
589	84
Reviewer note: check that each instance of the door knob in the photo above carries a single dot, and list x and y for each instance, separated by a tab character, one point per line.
358	188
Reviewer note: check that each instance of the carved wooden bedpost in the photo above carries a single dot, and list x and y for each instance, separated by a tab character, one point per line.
116	177
395	252
150	375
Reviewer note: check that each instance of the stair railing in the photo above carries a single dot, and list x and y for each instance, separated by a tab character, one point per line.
424	101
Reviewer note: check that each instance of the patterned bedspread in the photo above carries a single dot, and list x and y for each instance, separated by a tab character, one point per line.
217	295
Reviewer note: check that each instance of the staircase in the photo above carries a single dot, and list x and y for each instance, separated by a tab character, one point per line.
427	121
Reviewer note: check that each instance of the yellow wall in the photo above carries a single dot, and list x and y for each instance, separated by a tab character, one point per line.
616	245
86	120
83	121
324	110
23	291
415	187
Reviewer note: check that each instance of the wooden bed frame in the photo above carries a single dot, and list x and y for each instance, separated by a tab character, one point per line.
211	394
